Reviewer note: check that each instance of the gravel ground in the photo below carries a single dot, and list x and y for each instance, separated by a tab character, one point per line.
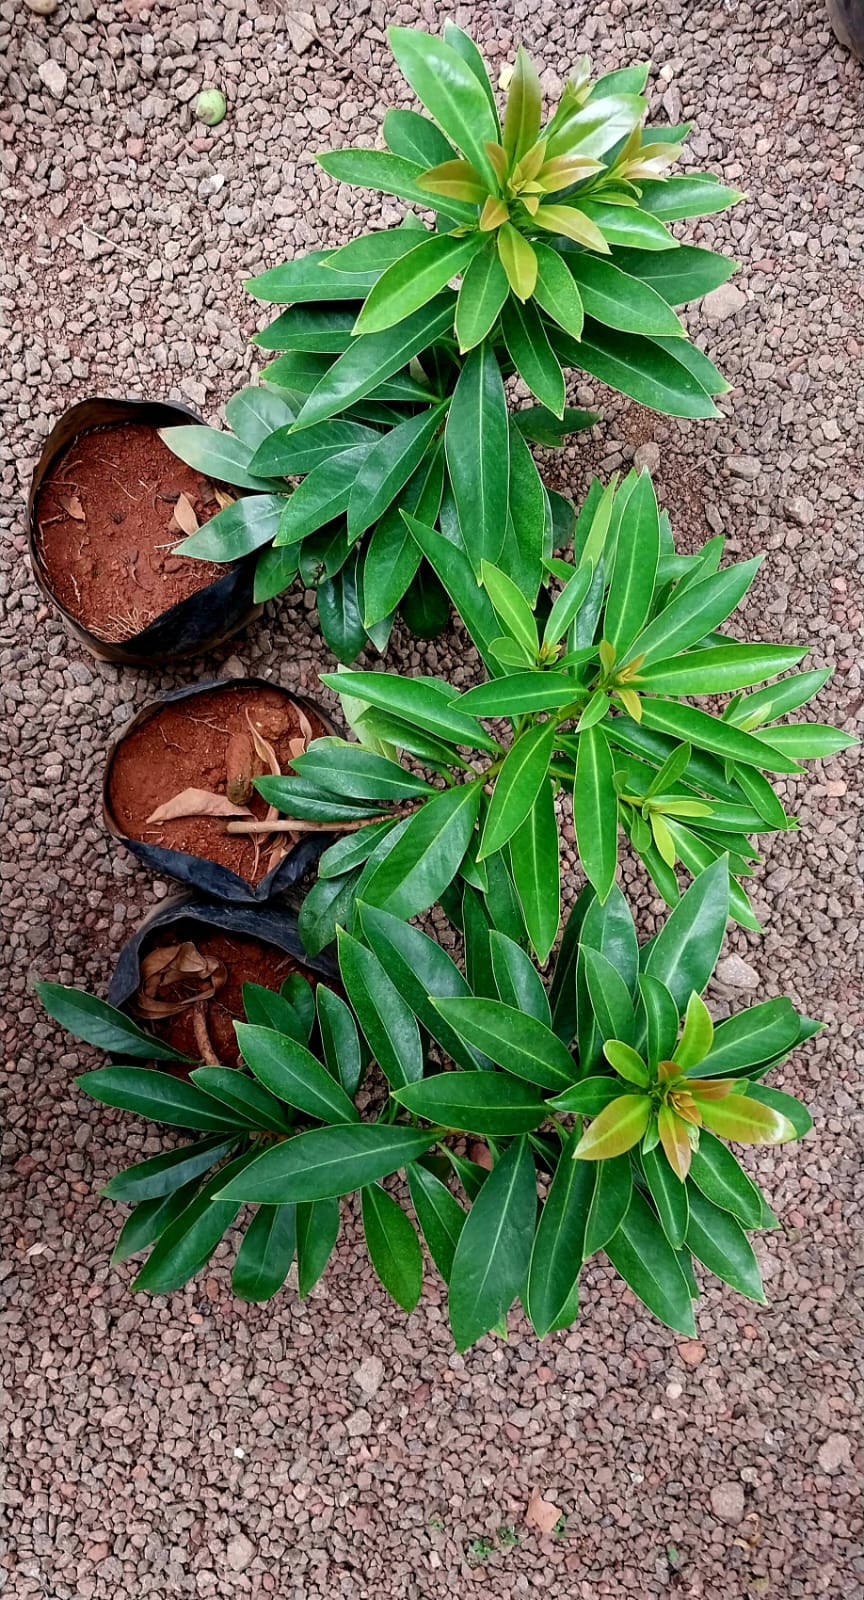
194	1446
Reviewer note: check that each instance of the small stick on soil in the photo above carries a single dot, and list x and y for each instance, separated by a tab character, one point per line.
286	825
202	1037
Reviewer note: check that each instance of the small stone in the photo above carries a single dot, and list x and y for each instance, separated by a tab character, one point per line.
722	303
747	467
300	27
54	78
799	509
834	1453
240	1552
42	8
370	1375
692	1352
647	455
737	973
727	1503
358	1423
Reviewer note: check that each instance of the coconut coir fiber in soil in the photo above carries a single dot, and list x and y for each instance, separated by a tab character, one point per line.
107	528
184	745
247	961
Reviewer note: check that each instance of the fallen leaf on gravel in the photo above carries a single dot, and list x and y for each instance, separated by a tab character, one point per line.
541	1514
185	516
197	803
72	506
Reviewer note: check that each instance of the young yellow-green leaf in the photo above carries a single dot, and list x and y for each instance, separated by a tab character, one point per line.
414	279
556	290
482	293
573	223
511	606
746	1121
394	1249
519	260
524	104
595	809
457	180
672	1132
594	127
523	773
698	1034
618	1127
627	1062
494	1250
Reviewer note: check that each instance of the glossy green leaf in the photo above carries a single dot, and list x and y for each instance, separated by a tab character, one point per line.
720	1243
189	1241
617	300
595	127
340	1042
588	1097
254	412
610	998
166	1173
475	1102
511	606
694	194
325	329
317	1231
532	354
291	453
567	604
477	446
519	692
465	47
715	1171
494	1250
661	1017
303	280
412	281
323	495
752	1036
423	972
357	773
291	1072
439	1214
329	903
556	292
534	856
218	455
694	613
610	1201
785	1105
628	227
385	1017
161	1097
719	670
275	571
393	1246
776	699
595	810
678	275
454	571
705	732
616	1129
327	1162
634	570
243	1095
375	252
378	169
376	357
806	741
697	1034
518	982
522	775
413	700
669	1195
266	1253
102	1025
529	521
685	951
482	293
556	1257
515	1040
643	1256
149	1219
428	855
638	368
450	91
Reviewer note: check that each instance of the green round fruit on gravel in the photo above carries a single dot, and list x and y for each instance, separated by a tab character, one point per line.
210	107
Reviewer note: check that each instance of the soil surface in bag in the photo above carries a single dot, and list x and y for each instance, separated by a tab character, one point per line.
109	513
237	959
206	741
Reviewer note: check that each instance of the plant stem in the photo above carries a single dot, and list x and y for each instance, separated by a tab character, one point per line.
287	825
202	1037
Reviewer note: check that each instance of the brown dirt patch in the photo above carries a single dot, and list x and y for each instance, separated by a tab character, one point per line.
184	745
247	961
106	524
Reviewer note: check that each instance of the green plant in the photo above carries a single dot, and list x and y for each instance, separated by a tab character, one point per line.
595	704
284	1132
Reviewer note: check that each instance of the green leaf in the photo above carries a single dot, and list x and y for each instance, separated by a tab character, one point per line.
325	329
719	670
298	798
628	227
685	951
376	357
808	741
244	1096
514	1040
482	293
758	1034
303	279
413	136
475	1102
617	300
646	1261
715	1171
610	1201
494	1250
678	275
567	604
556	292
522	775
542	427
340	1042
414	700
299	992
317	1231
720	1243
556	1257
534	857
529	526
218	455
588	1097
695	1041
241	528
412	281
595	810
378	169
164	1174
291	1072
617	1128
637	551
637	367
287	452
477	446
422	972
669	1195
532	354
697	194
776	699
524	105
393	1246
595	127
610	999
518	982
323	495
465	47
329	902
385	1017
428	855
102	1025
327	1162
354	849
375	252
784	1104
439	1214
275	571
694	613
149	1219
511	606
265	1255
357	773
661	1020
254	412
700	729
187	1244
454	571
451	92
160	1097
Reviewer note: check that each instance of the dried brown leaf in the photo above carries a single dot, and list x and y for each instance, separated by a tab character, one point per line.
225	500
71	504
305	724
177	966
185	515
240	768
297	747
541	1514
198	803
263	748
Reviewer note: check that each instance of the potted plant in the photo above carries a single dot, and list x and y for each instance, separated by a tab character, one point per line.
107	504
387	392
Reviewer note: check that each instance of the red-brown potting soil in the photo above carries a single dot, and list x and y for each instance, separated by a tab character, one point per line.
184	746
110	565
247	960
